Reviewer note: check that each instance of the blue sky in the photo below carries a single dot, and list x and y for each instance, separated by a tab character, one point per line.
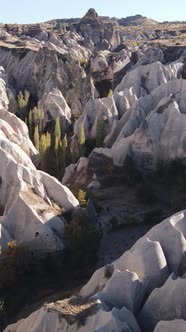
31	11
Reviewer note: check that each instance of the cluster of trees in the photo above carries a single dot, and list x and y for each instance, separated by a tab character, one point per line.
52	147
53	143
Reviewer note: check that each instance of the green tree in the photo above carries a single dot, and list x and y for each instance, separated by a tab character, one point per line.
82	239
36	138
57	130
37	117
42	149
64	149
100	133
81	140
23	101
48	140
30	123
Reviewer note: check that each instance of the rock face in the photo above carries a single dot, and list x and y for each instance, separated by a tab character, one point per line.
124	89
50	318
27	212
172	298
98	34
141	291
171	326
54	105
97	110
53	66
153	121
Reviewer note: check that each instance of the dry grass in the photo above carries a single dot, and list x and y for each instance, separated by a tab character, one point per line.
74	310
165	27
39	204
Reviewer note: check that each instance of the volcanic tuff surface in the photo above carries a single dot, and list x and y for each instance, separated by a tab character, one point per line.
27	213
122	81
126	295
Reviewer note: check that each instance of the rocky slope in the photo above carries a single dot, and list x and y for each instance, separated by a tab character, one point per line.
31	201
124	88
126	295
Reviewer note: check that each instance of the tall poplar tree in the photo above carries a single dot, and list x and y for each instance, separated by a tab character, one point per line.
36	137
81	140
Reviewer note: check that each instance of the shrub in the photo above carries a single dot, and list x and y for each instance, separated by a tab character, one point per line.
110	93
82	197
153	216
130	172
81	240
145	193
14	263
108	271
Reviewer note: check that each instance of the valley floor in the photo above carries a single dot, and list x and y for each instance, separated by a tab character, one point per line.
114	244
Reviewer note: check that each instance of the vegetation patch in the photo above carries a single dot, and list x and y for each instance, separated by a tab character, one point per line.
81	239
74	310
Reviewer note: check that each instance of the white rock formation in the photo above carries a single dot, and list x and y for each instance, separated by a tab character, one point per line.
138	283
103	110
165	303
171	326
51	65
152	129
146	259
144	79
53	105
50	319
152	54
74	169
129	296
26	194
174	243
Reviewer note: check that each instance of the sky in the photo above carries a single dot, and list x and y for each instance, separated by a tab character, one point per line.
33	11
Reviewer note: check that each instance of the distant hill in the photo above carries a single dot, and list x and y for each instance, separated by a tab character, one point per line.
136	20
127	21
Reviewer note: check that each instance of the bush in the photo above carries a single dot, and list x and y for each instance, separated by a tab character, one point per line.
82	197
172	173
130	172
153	216
145	193
14	263
82	241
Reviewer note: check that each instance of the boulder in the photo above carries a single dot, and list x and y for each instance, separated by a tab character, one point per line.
171	326
164	303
